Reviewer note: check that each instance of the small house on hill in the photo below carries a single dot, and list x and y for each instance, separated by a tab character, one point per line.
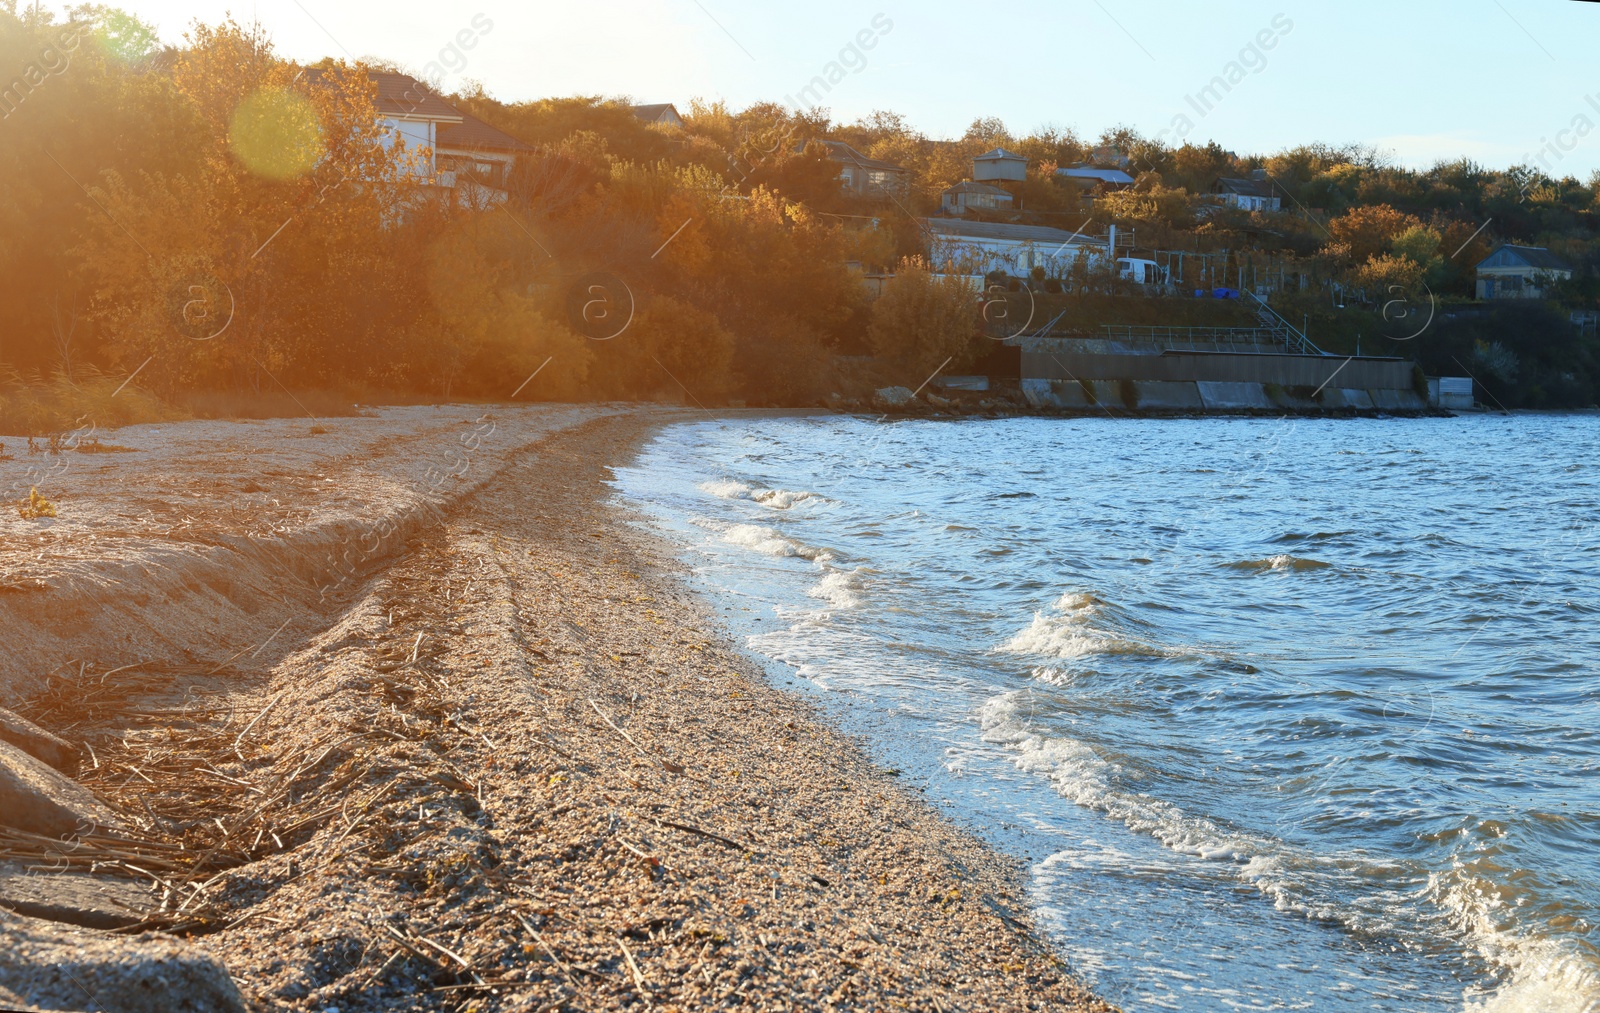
660	114
477	159
1520	272
1091	177
454	149
444	146
860	176
411	112
1254	194
999	164
452	155
959	198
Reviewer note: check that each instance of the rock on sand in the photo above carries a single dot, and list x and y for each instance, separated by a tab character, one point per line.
49	966
38	743
42	800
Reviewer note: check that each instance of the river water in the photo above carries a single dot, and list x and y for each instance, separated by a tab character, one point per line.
1280	714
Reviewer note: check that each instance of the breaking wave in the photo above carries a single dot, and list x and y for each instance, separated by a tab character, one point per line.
1069	629
772	542
841	589
777	499
1539	975
1283	561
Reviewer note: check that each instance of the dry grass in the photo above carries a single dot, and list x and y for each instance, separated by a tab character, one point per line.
94	446
36	406
178	752
270	403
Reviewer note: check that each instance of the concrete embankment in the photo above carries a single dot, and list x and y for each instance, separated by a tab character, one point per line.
1217	382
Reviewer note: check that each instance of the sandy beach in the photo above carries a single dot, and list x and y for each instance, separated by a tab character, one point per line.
411	716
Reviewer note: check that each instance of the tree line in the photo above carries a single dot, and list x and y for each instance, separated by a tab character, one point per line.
213	217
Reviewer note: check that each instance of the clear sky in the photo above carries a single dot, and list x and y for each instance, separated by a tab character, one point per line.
1490	79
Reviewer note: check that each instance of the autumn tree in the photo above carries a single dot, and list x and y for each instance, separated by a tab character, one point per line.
923	320
1153	204
670	350
1421	245
1197	168
1366	232
274	241
86	97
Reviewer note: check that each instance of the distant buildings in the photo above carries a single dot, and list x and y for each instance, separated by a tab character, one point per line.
966	247
411	112
1520	272
660	114
1254	194
999	164
981	191
1089	177
863	177
473	156
451	148
963	196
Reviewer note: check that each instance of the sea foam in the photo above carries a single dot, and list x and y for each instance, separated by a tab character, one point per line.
777	499
772	542
1069	629
841	589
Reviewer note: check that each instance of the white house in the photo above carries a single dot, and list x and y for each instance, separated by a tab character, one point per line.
1254	194
999	164
413	113
962	196
980	247
1520	272
445	146
476	159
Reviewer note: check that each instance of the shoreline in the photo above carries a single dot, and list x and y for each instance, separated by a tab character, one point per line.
523	767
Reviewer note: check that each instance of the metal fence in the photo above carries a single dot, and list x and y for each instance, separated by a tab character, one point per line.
1252	340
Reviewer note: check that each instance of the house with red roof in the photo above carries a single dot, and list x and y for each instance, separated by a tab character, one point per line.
453	149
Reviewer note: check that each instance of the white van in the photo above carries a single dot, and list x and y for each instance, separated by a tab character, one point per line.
1140	272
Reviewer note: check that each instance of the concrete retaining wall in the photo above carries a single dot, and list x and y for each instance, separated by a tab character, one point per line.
1341	397
1165	395
1311	371
1107	393
1054	394
1211	396
1222	395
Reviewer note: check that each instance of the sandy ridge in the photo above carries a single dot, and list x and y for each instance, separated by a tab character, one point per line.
192	540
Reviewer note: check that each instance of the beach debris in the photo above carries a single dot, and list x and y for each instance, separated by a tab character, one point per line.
94	446
667	765
39	799
38	743
35	506
419	811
